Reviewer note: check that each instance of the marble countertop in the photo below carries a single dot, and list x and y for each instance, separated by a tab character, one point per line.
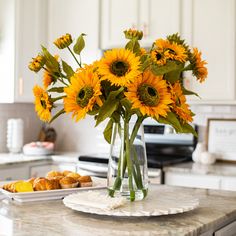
216	209
217	169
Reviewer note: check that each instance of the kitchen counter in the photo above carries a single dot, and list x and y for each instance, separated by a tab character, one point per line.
217	169
216	209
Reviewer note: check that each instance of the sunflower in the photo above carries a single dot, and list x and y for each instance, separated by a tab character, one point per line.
160	53
47	79
199	69
180	106
119	66
43	103
150	95
83	93
177	52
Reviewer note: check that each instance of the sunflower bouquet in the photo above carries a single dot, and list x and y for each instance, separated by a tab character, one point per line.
126	82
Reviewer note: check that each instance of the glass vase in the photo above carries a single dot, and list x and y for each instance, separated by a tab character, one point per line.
127	169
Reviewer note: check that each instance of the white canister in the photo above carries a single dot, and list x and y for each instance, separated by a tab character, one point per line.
15	135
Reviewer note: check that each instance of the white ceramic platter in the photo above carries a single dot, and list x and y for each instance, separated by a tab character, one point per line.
160	201
98	183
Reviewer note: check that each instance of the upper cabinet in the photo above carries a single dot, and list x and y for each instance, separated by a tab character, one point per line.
156	18
210	26
74	17
22	30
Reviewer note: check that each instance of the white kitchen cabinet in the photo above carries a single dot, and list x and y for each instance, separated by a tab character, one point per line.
156	18
74	17
192	180
14	173
210	26
22	30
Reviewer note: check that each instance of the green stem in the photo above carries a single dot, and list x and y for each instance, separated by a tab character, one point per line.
74	57
128	159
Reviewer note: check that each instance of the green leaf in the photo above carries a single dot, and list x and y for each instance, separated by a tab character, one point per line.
62	111
51	62
188	92
187	128
172	120
168	67
126	103
68	69
57	89
108	131
79	45
133	45
174	75
109	106
145	62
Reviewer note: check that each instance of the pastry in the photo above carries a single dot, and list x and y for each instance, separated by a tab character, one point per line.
53	173
55	183
22	186
74	175
31	180
85	181
66	172
41	184
68	182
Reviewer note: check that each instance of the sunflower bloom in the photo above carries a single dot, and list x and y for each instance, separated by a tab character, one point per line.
82	94
160	54
149	94
133	34
64	41
199	68
119	66
37	63
177	52
47	79
180	106
43	103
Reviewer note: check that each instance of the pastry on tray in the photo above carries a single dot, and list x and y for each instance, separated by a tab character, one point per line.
68	182
19	187
85	181
53	180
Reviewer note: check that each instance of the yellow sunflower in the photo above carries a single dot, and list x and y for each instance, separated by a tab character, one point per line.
82	94
180	106
149	94
177	52
119	66
160	53
47	79
199	68
43	103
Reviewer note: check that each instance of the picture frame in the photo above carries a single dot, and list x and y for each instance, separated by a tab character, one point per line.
221	138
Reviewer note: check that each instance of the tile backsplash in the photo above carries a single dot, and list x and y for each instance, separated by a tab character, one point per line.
82	136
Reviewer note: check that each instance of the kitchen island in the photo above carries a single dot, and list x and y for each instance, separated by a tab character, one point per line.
217	211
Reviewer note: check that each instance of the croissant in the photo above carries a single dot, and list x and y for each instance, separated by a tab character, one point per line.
74	175
41	184
53	174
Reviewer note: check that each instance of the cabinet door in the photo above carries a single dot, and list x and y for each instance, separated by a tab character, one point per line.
117	16
191	180
210	26
74	17
30	26
14	173
158	18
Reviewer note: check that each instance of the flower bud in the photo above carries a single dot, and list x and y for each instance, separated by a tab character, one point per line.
37	63
63	42
133	34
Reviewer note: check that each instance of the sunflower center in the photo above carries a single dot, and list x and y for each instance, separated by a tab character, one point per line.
172	51
158	56
148	95
119	68
43	103
84	96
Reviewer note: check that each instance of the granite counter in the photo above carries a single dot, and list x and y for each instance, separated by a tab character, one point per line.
216	209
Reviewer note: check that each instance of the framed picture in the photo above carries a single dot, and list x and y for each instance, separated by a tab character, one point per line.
221	138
